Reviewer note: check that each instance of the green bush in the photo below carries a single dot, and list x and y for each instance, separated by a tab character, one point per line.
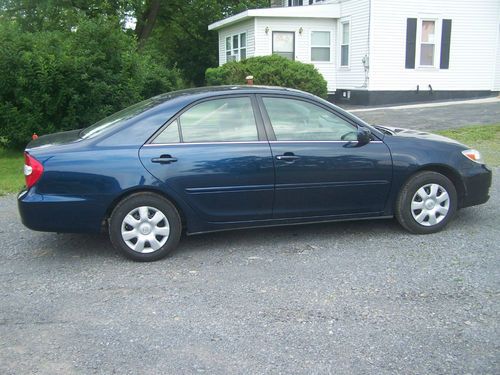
269	70
62	80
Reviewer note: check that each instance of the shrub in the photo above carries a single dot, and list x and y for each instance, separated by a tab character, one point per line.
269	70
62	80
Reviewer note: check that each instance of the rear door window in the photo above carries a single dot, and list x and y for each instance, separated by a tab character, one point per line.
169	135
219	120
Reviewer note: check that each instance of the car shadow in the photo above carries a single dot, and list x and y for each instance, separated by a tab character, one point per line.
99	246
289	235
75	245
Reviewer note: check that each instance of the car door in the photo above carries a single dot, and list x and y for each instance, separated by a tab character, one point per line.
215	156
321	169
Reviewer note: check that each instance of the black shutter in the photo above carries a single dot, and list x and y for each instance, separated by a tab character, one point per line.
411	42
445	44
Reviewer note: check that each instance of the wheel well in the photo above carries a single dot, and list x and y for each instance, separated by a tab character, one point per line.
142	190
452	175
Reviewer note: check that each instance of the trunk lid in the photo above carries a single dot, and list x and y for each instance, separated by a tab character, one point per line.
55	139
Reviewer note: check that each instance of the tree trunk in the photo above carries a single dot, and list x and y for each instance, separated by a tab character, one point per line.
146	23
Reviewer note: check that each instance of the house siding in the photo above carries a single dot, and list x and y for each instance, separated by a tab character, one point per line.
378	30
473	38
496	82
357	12
248	27
263	41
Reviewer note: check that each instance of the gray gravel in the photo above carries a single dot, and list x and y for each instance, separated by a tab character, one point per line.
358	297
434	118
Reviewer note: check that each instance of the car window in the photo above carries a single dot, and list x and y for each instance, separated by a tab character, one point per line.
297	120
169	135
219	120
118	118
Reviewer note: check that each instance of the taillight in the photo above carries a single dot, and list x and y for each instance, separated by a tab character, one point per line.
33	170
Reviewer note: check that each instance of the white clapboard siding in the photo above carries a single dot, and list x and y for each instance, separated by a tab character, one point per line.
473	56
241	27
357	12
263	40
496	81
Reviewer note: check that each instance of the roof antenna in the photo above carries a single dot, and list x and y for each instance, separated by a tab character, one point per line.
249	80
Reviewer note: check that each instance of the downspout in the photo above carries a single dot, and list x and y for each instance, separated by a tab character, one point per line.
366	58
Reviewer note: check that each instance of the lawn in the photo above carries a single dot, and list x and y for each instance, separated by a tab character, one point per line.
485	138
11	171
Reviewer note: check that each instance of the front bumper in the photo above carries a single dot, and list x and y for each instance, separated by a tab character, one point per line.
477	183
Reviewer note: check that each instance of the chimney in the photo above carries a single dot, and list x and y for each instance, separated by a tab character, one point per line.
249	80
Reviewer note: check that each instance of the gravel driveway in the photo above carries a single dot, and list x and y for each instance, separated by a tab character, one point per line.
358	297
433	118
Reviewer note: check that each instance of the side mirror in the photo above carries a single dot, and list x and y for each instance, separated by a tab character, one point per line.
364	136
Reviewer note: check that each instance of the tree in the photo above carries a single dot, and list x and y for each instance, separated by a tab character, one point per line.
62	80
52	15
181	34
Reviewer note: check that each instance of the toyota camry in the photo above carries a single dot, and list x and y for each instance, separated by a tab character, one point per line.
232	157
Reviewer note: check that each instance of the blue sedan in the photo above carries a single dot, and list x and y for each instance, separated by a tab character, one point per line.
231	157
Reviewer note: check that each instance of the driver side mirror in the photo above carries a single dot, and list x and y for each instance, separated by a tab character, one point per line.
364	136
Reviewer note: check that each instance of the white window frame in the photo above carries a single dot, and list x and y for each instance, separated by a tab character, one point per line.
236	51
311	46
294	56
437	42
341	36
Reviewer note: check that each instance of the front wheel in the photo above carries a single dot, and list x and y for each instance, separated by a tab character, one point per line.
145	227
426	203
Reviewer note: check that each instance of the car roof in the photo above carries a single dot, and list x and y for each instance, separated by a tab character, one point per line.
209	91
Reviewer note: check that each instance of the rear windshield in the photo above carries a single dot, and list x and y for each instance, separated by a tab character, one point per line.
119	117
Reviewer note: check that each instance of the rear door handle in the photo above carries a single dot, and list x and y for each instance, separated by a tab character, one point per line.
164	159
287	157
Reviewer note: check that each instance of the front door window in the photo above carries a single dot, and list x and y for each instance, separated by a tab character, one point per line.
297	120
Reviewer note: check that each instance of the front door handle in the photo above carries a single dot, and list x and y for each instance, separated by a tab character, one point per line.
287	157
164	159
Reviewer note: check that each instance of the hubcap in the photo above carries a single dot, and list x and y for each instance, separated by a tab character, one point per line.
430	205
145	229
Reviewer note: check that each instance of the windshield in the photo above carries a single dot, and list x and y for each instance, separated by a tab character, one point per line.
118	118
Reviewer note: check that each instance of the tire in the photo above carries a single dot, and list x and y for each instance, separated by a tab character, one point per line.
426	203
145	227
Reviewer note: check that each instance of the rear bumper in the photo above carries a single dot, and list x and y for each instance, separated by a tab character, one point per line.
477	183
56	213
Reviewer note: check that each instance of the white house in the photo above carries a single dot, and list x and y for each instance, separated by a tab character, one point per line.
377	51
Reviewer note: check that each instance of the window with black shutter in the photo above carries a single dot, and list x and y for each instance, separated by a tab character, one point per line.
411	42
445	44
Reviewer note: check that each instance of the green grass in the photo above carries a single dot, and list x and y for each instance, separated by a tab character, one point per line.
11	171
484	138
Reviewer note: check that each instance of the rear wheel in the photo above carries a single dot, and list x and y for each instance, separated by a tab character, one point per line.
145	227
426	203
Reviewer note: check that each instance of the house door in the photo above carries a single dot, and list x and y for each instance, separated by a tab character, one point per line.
284	44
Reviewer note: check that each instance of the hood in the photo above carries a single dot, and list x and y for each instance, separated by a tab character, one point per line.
55	139
410	133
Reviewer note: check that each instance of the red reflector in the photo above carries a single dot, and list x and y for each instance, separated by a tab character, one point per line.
33	170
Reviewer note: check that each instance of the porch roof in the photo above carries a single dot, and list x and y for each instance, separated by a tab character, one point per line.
311	11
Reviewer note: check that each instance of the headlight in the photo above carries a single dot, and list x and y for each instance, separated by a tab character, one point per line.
473	155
